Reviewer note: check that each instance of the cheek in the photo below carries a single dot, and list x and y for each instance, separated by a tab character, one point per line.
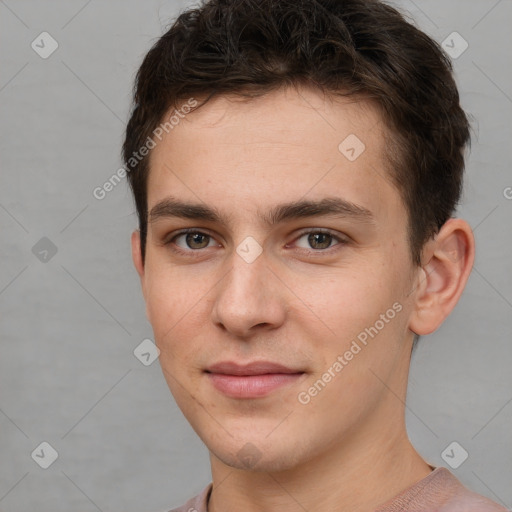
349	301
172	303
365	320
179	304
173	311
360	316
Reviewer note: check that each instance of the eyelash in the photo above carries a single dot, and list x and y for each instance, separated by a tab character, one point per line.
341	241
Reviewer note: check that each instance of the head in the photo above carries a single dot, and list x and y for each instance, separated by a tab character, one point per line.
317	163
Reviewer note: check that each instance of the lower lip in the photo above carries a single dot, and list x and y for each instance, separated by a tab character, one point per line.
251	386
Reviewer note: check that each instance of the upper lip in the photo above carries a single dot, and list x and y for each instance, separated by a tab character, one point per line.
254	368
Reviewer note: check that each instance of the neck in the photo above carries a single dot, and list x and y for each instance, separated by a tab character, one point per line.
350	483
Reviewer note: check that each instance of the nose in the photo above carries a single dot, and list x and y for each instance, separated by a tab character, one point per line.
249	299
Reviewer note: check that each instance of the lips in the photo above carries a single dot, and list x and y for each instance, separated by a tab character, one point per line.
255	368
252	380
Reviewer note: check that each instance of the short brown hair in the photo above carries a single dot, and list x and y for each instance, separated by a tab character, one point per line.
342	47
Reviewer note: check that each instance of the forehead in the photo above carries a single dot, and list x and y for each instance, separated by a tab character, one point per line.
286	145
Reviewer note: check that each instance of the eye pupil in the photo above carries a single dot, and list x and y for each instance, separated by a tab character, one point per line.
197	240
319	240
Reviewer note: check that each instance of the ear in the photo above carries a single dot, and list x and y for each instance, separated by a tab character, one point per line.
137	257
448	260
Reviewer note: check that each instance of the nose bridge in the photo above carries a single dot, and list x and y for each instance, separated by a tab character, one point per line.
245	284
247	296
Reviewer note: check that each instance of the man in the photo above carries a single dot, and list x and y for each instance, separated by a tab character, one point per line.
295	166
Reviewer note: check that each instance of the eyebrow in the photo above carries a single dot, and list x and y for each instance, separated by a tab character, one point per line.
330	206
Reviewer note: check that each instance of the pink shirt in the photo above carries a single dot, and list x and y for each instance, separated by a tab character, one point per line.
440	491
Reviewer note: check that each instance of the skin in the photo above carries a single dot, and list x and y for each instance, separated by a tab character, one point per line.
298	305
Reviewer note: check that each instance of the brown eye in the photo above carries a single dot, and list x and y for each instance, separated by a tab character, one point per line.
320	240
193	240
197	240
317	240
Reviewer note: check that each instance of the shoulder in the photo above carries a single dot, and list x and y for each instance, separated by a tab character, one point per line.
461	499
197	503
469	501
440	491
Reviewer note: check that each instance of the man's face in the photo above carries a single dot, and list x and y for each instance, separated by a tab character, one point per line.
321	290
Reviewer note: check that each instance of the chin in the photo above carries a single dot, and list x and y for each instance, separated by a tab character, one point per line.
250	458
259	454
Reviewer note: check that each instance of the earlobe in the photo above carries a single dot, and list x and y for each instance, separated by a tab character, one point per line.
442	278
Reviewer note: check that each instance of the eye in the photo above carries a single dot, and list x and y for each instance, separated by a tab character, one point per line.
193	240
317	240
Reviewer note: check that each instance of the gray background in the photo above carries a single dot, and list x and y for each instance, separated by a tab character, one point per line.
69	325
